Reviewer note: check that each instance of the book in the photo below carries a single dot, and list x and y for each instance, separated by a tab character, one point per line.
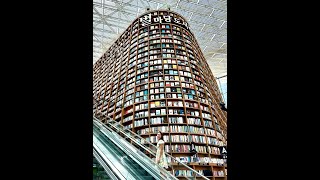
157	103
163	111
175	103
162	103
180	104
169	103
158	112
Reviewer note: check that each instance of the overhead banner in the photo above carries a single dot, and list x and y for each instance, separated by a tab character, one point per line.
149	19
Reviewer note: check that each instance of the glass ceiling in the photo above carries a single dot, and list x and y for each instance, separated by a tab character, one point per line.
207	20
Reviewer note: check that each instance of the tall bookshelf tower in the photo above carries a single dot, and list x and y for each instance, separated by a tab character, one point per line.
155	77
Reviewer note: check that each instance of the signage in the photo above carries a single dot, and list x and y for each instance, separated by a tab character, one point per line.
149	19
223	151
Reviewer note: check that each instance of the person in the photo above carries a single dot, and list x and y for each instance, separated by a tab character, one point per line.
161	158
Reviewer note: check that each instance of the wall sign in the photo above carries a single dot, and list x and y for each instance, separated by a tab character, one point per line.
149	19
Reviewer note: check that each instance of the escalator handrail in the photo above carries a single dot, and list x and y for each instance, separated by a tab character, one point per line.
110	172
121	145
168	155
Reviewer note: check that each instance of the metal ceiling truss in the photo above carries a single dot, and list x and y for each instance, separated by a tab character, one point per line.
207	20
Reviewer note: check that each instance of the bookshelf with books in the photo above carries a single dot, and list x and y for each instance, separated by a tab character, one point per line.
154	77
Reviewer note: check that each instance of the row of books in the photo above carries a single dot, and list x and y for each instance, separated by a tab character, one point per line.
157	84
179	138
142	70
164	45
204	108
157	67
197	138
213	150
186	79
201	149
193	113
170	66
218	173
192	120
187	173
173	89
188	91
176	120
130	91
156	51
142	98
128	118
141	93
211	132
141	114
142	87
156	90
157	104
153	79
194	129
143	131
155	46
141	122
171	78
214	141
176	111
142	65
128	126
171	72
156	112
206	115
128	97
175	128
168	50
208	123
179	96
191	104
159	128
177	83
185	73
178	148
157	96
175	103
167	41
181	52
188	85
141	81
158	120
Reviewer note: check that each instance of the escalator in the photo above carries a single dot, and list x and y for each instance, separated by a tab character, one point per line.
121	162
126	155
98	171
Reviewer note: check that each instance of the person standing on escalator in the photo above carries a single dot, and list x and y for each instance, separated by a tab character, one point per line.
161	158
